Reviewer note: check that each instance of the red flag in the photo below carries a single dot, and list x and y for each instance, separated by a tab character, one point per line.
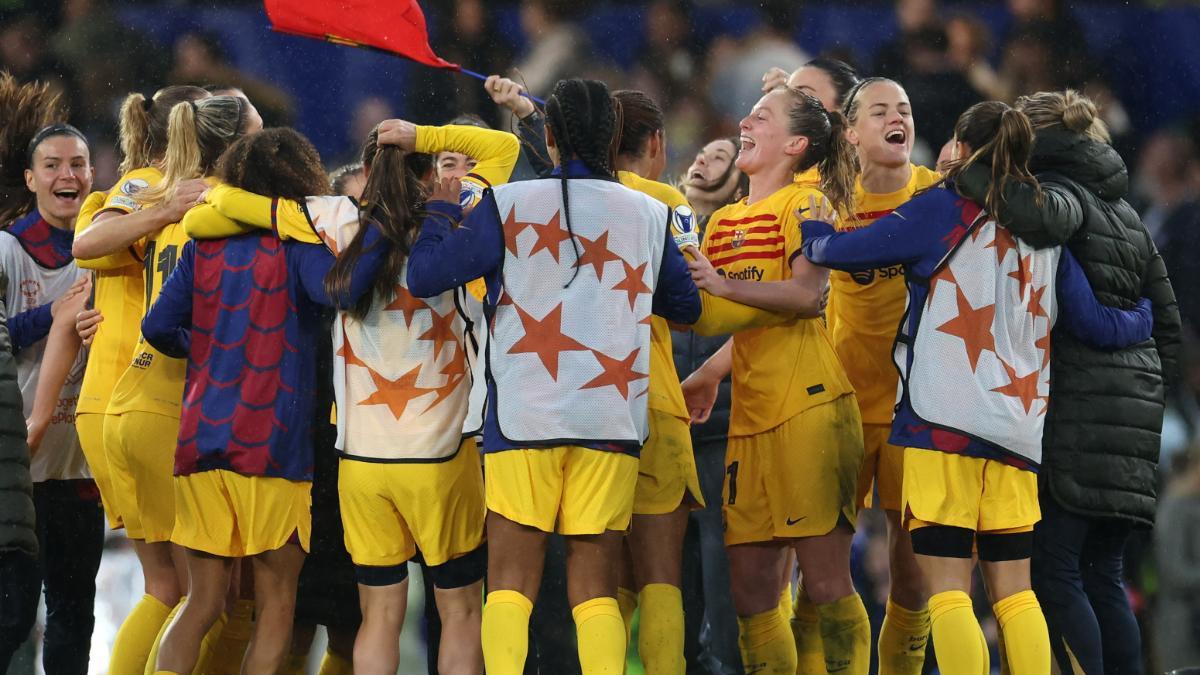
395	26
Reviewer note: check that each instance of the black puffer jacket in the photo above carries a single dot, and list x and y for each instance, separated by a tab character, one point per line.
1104	424
16	486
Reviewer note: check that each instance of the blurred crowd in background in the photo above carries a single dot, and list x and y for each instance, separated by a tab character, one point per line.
703	61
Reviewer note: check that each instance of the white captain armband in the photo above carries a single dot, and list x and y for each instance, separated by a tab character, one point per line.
470	194
683	228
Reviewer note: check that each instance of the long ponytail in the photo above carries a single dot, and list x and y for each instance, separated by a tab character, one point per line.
828	148
144	123
1002	136
197	133
389	200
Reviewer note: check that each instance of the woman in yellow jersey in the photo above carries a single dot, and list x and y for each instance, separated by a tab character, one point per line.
119	297
142	418
408	481
795	434
668	487
863	314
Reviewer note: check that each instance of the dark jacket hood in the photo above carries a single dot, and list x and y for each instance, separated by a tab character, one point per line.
1093	164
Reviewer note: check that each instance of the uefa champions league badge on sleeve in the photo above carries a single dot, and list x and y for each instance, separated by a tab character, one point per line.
470	194
683	221
125	198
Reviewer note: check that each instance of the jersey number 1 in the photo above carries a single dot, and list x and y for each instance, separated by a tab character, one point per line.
162	262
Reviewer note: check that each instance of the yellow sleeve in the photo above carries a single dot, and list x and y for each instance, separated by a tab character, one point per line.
721	316
477	288
285	216
205	222
91	206
495	152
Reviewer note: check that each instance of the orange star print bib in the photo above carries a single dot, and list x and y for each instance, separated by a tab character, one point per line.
981	353
401	377
569	350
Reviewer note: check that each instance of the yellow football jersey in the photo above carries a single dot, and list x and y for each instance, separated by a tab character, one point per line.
118	292
779	370
664	392
865	308
153	382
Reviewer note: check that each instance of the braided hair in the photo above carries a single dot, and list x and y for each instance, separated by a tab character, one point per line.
582	117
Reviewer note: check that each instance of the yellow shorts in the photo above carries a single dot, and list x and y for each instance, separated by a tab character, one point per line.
797	479
140	447
90	427
390	511
667	468
882	470
566	489
961	491
234	516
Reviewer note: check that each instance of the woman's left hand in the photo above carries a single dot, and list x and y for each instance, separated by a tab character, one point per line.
819	208
446	190
398	132
704	274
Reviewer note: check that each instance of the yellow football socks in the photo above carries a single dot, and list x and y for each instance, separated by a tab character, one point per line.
333	664
902	640
600	634
1026	639
209	647
505	632
957	638
786	603
767	645
226	649
660	638
806	630
846	635
151	664
627	600
136	637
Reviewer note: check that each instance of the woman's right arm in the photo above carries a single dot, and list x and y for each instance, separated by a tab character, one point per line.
1048	220
113	231
444	256
240	208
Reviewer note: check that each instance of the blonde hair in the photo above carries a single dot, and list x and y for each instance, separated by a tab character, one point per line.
144	124
1068	108
197	133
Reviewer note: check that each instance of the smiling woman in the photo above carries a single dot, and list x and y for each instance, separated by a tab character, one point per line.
44	292
60	171
789	390
864	310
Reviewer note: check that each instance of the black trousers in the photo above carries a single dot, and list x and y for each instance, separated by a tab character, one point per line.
20	584
70	528
1077	571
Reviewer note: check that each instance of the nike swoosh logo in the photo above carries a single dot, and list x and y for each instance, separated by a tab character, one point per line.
791	522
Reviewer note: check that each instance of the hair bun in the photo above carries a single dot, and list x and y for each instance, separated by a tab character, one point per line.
1079	112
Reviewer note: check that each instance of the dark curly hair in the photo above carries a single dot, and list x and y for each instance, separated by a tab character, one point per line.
274	162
